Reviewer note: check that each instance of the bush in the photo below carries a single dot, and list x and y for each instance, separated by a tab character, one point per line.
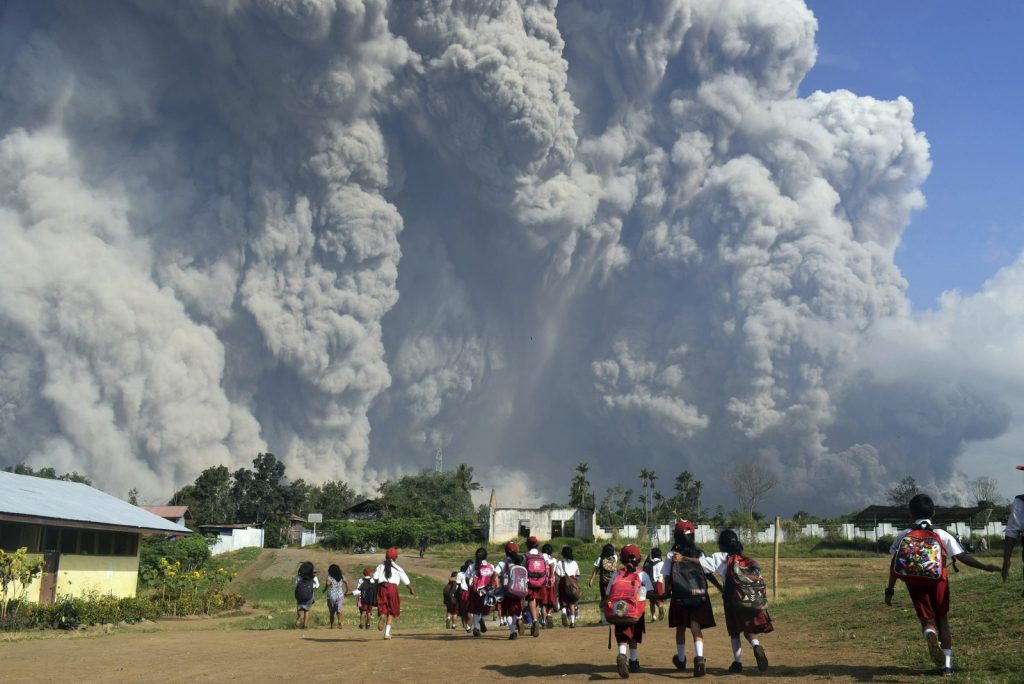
341	534
190	592
191	552
72	612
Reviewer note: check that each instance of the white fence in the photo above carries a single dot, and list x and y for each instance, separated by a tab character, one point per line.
233	540
848	531
309	538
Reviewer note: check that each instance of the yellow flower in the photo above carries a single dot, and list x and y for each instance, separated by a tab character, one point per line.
220	569
170	574
196	573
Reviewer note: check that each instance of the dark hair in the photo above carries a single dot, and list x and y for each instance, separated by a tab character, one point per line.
306	570
481	554
922	506
729	542
453	575
516	558
388	565
335	572
607	551
548	549
686	545
681	539
655	552
567	552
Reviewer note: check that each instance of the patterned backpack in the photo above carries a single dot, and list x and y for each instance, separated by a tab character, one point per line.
744	586
920	557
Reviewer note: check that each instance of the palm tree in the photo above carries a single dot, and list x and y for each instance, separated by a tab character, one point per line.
647	478
579	489
463	477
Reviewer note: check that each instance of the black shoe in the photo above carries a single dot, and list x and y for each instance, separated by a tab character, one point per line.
551	623
572	625
736	667
565	620
623	666
634	665
680	664
698	666
946	672
534	629
513	636
476	632
483	626
761	658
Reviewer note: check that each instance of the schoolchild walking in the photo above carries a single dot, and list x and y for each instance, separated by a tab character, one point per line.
463	593
450	597
653	567
306	583
567	571
690	607
388	575
549	603
744	594
625	607
919	557
366	597
1014	533
604	567
513	577
336	588
538	574
481	578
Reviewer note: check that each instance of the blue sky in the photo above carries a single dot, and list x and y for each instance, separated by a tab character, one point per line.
961	66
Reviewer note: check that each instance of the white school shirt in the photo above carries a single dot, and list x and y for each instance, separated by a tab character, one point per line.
564	568
1015	525
645	582
460	579
716	563
949	543
397	574
658	566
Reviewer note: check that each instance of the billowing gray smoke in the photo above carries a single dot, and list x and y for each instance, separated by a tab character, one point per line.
354	231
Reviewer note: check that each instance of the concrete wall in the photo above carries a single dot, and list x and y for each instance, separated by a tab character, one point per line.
85	575
504	523
233	540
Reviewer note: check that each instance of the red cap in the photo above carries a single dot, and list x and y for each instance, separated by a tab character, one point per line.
392	553
512	547
1020	467
531	540
630	552
685	526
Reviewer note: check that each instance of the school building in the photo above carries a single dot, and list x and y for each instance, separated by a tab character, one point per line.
88	540
543	523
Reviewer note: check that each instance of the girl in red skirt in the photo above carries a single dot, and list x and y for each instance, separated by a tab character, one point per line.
480	577
681	617
464	594
738	621
567	571
629	637
388	574
550	600
511	607
604	567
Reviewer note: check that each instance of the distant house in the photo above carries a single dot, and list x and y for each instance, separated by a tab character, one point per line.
367	509
88	540
296	526
178	515
543	523
234	536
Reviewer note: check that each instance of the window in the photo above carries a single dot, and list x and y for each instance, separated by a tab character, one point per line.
68	540
14	535
87	542
524	528
556	528
104	543
569	528
125	543
51	539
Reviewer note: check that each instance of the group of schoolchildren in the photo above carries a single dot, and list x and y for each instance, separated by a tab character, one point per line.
529	588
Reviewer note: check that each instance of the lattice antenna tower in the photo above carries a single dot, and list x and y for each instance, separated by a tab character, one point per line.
439	461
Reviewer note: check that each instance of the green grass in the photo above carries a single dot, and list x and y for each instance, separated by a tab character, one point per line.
233	561
984	620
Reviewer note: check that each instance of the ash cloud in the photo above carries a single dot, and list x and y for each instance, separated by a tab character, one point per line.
528	233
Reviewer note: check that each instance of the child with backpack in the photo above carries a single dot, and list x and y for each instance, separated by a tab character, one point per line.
538	573
515	583
450	597
550	602
481	578
387	576
690	607
919	557
604	567
625	606
336	589
463	593
653	567
744	594
568	573
366	597
306	583
1014	532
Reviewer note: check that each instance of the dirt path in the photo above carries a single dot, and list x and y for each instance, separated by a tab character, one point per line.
277	563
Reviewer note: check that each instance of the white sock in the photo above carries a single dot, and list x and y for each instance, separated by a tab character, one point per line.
737	649
754	642
387	630
698	648
563	611
476	620
681	651
623	648
633	654
513	625
929	629
572	619
949	657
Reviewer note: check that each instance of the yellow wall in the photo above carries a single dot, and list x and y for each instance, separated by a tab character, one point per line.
33	588
82	575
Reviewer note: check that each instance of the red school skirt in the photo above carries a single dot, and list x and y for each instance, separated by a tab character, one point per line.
388	602
510	606
476	603
464	604
738	621
634	632
681	616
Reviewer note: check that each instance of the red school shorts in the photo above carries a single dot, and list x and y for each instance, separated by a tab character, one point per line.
930	600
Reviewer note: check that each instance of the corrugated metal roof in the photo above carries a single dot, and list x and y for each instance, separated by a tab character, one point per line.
25	495
167	511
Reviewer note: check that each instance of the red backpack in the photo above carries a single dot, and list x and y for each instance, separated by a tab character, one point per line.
920	558
744	585
482	576
623	605
536	571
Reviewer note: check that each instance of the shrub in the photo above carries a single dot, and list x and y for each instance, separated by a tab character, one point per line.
190	592
191	552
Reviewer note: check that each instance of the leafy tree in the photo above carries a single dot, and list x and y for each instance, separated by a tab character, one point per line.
579	488
17	570
332	499
902	493
261	494
133	496
210	499
463	476
614	508
685	500
429	493
751	482
48	473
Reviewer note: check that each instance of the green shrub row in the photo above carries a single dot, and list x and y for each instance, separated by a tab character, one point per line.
399	532
192	552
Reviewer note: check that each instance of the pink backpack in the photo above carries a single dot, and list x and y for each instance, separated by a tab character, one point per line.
536	571
482	576
623	605
516	580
